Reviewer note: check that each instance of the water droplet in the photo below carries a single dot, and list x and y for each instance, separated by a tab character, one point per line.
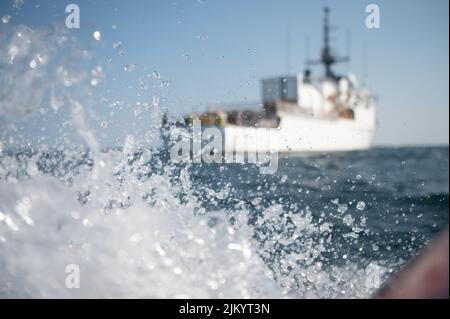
256	201
33	64
75	214
155	75
129	67
155	101
135	238
118	47
97	35
348	220
342	208
177	270
358	176
87	222
6	19
360	205
17	4
165	83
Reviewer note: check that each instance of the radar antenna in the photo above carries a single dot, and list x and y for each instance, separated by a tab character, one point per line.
327	58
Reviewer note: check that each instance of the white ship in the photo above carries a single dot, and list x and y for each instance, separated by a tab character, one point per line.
300	113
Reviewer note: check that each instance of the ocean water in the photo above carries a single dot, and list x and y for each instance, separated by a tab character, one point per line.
134	224
325	225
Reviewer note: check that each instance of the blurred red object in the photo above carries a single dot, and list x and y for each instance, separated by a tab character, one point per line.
425	277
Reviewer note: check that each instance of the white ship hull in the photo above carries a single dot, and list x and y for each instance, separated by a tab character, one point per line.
302	133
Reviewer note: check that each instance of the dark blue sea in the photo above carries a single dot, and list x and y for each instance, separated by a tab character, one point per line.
324	225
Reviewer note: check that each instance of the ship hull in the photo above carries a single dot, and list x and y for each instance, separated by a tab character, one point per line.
302	134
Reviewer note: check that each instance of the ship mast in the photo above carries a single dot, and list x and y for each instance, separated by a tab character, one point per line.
327	58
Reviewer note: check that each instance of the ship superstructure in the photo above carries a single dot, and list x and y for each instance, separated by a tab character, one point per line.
301	113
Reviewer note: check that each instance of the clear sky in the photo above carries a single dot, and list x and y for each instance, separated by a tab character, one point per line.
218	50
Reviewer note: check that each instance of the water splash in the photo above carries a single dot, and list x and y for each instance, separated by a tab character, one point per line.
137	225
129	227
36	62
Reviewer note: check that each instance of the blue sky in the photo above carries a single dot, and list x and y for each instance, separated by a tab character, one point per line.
217	51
